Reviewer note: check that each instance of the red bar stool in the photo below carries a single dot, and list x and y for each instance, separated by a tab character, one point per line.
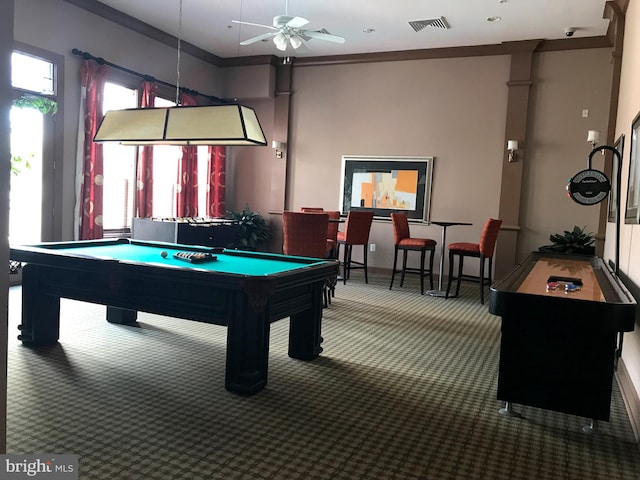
356	232
483	250
403	241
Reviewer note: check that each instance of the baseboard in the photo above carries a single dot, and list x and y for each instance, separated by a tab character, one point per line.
15	278
630	398
380	271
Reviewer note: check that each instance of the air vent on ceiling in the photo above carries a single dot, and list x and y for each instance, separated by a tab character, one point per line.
440	22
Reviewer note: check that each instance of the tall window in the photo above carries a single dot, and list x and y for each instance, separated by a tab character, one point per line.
119	161
32	164
119	170
165	174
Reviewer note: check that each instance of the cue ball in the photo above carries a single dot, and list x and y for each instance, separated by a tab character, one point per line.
163	254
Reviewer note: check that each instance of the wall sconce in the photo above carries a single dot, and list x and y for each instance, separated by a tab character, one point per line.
593	137
512	146
278	147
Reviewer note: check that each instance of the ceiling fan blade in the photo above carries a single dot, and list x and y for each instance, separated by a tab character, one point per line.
297	22
258	38
323	36
253	24
287	21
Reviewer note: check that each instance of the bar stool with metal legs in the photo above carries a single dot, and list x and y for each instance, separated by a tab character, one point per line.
406	243
356	232
483	250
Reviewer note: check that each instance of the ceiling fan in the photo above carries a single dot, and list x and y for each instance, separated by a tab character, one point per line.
287	30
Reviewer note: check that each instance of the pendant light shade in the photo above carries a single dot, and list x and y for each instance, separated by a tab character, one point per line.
295	41
227	124
224	124
280	41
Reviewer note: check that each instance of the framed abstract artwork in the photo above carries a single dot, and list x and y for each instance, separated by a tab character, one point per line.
633	189
613	193
386	185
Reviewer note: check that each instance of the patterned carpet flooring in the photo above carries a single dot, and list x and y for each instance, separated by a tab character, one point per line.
405	389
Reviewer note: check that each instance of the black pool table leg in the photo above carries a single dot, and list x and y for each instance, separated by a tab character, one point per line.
40	312
121	316
305	327
247	351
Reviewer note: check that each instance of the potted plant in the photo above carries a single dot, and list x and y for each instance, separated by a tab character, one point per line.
255	230
576	241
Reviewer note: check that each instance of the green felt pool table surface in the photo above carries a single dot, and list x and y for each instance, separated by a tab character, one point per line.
229	262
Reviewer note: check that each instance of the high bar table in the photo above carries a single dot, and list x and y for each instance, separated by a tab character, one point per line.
443	250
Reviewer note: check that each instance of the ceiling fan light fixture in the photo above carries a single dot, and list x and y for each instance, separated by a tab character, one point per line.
295	41
288	30
280	41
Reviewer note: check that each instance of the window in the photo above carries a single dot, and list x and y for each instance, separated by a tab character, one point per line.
32	73
203	182
119	163
165	173
119	170
32	150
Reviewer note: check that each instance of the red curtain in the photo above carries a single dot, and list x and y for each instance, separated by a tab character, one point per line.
216	167
187	194
93	76
144	174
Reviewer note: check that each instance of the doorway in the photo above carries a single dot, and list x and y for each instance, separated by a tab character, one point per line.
34	149
25	197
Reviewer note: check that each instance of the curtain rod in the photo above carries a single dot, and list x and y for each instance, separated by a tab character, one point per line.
148	78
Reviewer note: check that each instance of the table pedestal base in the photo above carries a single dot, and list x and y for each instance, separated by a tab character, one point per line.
439	293
508	411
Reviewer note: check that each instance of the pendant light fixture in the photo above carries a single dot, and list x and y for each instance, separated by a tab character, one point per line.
224	124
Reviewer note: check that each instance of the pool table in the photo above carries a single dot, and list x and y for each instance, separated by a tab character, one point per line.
563	317
244	291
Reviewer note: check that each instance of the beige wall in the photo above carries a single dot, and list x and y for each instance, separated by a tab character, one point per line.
252	82
455	110
566	83
451	109
629	105
249	168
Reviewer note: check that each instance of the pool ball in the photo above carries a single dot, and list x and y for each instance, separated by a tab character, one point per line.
163	254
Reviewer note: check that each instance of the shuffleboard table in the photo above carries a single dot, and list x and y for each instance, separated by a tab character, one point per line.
563	317
244	291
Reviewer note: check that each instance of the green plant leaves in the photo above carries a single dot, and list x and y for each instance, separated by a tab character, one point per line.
571	241
43	104
255	229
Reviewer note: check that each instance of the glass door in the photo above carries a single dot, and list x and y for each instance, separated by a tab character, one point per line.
31	198
25	198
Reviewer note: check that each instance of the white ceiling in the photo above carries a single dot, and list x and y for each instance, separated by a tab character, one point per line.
207	23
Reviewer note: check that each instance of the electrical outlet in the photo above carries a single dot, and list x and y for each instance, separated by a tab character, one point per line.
372	247
585	113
